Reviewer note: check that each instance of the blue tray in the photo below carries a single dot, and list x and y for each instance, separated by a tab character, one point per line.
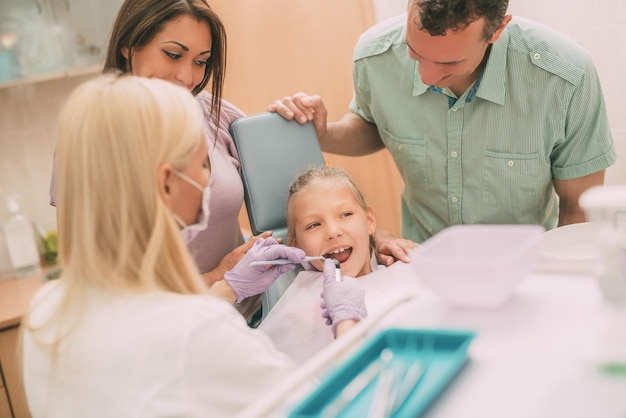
439	353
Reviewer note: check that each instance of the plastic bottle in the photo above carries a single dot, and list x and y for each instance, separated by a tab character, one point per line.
20	241
606	205
6	267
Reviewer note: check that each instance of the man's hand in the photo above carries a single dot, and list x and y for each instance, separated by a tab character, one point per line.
303	108
391	248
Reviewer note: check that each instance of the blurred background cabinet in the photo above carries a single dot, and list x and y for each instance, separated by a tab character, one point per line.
41	39
5	408
15	296
12	398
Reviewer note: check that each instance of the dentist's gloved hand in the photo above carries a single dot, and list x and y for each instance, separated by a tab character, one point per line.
341	300
247	280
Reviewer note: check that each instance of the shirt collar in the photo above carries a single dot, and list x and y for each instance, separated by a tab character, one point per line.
418	86
493	84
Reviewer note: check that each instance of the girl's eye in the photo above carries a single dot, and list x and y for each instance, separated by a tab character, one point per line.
311	226
346	214
172	55
202	63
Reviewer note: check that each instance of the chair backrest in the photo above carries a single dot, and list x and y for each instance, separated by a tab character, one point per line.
272	151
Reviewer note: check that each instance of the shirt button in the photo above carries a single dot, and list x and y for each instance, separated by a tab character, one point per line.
455	109
453	154
454	199
400	147
537	55
511	163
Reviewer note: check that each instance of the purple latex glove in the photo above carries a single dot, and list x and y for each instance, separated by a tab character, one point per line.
341	300
247	280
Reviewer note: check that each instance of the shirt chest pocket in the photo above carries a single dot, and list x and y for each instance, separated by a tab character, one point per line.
410	156
511	181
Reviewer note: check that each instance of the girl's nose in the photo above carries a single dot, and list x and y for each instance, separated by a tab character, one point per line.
334	230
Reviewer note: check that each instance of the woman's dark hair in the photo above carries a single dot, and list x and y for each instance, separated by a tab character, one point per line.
438	16
138	22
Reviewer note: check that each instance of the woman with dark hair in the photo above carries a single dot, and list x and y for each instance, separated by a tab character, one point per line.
184	42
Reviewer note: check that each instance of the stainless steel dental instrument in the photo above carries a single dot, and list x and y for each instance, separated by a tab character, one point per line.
283	261
337	271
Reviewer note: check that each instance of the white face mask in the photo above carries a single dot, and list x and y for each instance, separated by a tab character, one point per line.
189	232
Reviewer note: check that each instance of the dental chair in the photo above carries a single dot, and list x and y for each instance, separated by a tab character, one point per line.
272	151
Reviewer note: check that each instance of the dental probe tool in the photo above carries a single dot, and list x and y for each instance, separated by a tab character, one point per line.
283	261
337	271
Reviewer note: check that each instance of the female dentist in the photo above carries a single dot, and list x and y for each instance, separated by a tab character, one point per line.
130	329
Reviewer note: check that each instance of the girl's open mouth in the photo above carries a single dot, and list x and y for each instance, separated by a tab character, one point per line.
340	254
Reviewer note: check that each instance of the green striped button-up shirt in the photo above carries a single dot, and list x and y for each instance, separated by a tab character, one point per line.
488	157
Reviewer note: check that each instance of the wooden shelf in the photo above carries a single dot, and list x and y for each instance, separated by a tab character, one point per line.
48	77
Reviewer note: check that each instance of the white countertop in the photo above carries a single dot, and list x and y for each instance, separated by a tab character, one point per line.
537	356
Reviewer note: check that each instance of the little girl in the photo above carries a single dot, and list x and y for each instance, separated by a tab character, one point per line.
327	216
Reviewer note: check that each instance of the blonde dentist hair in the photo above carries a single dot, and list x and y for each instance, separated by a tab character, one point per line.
116	235
115	232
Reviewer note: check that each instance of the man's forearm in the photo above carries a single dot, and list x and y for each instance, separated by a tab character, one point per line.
351	136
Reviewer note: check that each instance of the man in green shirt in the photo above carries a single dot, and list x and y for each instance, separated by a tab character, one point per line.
489	118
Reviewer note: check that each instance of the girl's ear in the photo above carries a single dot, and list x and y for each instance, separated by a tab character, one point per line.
124	52
164	186
371	220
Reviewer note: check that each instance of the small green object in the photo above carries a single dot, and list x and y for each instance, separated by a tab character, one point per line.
50	245
614	368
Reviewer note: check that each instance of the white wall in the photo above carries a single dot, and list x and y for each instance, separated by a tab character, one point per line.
601	27
388	8
27	123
